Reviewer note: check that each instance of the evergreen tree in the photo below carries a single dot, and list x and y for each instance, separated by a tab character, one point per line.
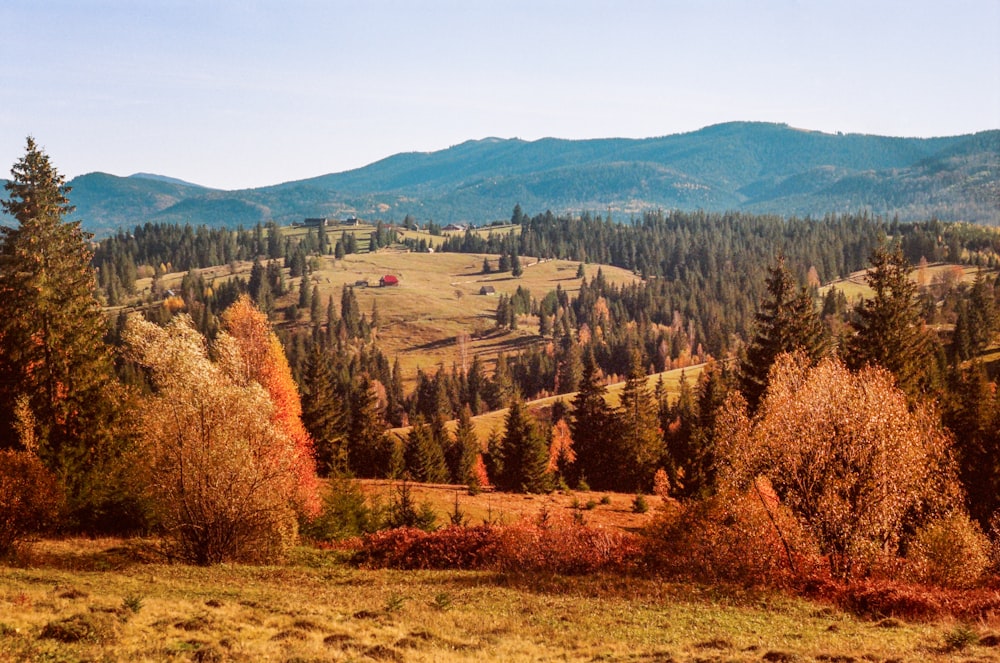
368	451
890	330
464	451
679	423
972	413
524	453
350	313
640	447
570	366
982	314
787	321
323	414
52	354
516	270
424	456
594	431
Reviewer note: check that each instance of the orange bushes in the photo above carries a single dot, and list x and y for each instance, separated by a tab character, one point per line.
747	538
567	549
888	598
29	498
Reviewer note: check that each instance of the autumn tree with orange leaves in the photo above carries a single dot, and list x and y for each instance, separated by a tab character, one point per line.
218	464
261	359
845	453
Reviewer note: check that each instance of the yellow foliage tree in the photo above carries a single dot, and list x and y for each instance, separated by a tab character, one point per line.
221	475
844	452
261	359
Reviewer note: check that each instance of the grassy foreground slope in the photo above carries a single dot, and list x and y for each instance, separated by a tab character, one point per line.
98	600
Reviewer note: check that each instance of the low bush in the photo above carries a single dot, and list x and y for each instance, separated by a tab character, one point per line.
564	548
29	498
413	548
950	552
748	538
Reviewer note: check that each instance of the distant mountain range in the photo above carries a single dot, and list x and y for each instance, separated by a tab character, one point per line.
751	166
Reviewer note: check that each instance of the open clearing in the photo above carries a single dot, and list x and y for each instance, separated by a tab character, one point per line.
435	317
106	600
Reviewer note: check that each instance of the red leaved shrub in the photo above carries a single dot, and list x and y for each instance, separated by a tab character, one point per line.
412	548
566	549
747	538
888	598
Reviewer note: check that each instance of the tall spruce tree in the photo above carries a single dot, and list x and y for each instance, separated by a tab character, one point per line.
640	447
53	358
787	321
524	453
369	452
594	430
890	329
324	414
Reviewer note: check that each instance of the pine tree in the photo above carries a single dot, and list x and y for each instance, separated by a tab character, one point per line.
423	456
323	414
368	451
464	451
982	314
640	447
516	270
973	416
594	431
51	339
350	313
787	321
890	330
524	453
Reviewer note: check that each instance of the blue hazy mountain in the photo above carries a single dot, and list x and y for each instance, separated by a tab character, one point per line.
753	166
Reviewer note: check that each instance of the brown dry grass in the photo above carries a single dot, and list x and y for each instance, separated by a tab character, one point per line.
437	301
318	608
507	508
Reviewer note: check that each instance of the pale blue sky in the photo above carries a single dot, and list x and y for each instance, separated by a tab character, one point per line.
238	94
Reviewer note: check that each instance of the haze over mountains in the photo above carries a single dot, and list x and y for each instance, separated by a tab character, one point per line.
757	167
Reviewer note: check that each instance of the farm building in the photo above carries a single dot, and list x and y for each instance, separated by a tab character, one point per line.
487	290
315	222
388	280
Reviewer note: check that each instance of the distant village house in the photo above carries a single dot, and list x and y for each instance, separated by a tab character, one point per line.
487	290
388	280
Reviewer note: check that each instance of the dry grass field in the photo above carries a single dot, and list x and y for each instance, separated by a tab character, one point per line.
112	600
594	508
435	316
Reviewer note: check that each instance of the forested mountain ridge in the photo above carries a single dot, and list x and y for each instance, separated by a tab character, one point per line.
749	166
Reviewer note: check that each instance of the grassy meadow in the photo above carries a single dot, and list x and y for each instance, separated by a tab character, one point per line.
112	600
435	316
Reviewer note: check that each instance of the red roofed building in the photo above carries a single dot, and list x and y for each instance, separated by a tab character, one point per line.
388	280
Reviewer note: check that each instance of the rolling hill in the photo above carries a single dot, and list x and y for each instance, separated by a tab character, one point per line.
758	167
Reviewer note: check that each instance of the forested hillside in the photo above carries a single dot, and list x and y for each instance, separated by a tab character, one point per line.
754	167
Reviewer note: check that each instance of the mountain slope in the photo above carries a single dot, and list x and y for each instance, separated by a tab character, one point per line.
759	167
